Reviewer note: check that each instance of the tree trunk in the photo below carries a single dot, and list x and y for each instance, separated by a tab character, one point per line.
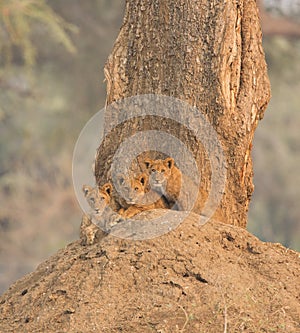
208	54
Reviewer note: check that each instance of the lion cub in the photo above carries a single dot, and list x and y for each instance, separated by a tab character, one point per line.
137	195
97	224
165	178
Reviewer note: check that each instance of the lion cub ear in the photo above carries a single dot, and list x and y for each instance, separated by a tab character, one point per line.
169	162
148	163
86	189
143	179
107	188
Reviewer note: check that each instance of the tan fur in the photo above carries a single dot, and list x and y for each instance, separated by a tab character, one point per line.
89	232
164	178
99	200
135	190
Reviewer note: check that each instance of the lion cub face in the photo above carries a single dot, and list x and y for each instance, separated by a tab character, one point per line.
159	171
133	188
98	198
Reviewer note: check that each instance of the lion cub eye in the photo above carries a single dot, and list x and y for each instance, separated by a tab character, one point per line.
136	188
163	170
92	199
153	170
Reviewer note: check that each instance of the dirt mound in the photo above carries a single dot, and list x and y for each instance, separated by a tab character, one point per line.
217	278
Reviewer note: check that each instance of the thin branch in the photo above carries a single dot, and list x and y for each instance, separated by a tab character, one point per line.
186	316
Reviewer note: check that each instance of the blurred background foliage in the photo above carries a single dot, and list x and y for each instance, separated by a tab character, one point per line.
18	19
52	55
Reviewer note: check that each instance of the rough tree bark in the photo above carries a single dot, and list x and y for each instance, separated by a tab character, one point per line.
209	54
